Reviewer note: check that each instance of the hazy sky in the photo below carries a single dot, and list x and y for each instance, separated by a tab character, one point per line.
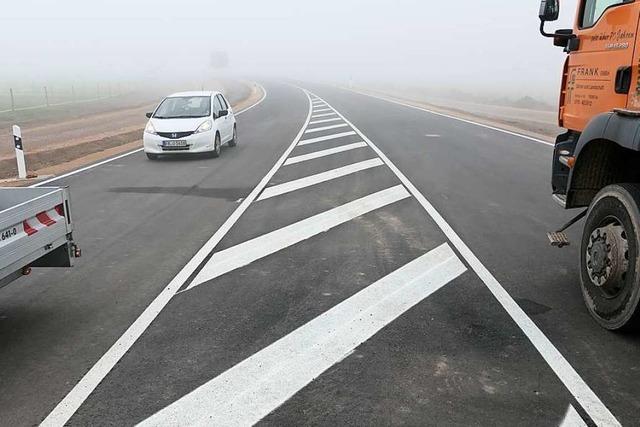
478	46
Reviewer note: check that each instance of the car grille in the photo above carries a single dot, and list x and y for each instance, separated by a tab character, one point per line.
185	148
174	135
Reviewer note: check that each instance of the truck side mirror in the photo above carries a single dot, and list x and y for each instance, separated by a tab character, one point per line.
549	10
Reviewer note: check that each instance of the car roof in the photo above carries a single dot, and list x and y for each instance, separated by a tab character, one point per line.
195	93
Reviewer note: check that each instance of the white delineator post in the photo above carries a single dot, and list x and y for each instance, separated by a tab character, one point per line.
17	140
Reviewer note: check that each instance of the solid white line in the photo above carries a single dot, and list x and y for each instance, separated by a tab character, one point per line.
320	129
572	418
321	110
317	122
250	390
322	153
137	150
72	401
449	116
319	178
245	253
583	394
326	138
323	115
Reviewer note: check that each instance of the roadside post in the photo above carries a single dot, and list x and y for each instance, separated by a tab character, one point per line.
17	140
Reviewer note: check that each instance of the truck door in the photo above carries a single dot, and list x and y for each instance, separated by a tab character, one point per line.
599	72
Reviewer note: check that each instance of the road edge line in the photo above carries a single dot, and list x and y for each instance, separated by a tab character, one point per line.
574	383
72	401
449	116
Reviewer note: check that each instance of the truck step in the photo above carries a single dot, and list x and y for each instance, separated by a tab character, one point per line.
558	239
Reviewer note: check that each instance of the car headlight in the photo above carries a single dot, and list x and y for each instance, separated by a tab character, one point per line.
205	127
150	129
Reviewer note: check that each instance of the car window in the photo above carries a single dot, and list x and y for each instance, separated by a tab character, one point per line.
594	9
223	100
217	107
180	107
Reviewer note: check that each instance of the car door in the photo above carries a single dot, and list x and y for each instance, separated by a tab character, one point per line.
599	70
226	128
221	123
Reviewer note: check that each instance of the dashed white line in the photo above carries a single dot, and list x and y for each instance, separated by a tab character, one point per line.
245	253
319	178
326	138
322	153
250	390
317	122
320	129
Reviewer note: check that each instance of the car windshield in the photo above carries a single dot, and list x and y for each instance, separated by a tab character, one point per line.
184	107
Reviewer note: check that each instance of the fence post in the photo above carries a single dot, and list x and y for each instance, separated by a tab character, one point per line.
73	94
13	101
98	90
46	96
17	141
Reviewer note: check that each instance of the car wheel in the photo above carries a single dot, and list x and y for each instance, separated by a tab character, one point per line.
152	156
609	262
234	140
217	147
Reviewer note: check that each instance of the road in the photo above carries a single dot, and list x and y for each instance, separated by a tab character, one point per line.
351	262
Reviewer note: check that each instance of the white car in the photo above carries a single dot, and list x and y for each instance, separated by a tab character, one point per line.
190	122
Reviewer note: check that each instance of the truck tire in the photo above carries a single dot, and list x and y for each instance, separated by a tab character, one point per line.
609	262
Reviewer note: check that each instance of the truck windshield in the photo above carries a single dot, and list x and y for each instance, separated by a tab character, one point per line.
184	107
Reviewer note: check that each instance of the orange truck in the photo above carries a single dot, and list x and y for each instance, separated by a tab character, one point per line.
596	162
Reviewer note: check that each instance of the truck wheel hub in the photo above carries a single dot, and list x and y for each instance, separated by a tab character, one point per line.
607	258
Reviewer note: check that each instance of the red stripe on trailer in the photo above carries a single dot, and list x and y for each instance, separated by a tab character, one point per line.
28	229
60	209
45	219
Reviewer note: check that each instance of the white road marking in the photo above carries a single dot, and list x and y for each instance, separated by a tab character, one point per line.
323	115
432	135
245	253
321	110
317	122
322	153
572	418
137	150
326	138
320	129
449	116
79	393
583	394
250	390
319	178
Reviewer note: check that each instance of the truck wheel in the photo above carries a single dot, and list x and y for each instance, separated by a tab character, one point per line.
609	262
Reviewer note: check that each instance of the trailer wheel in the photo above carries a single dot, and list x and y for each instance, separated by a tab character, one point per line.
609	264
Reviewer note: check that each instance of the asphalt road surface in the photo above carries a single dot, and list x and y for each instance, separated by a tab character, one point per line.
351	262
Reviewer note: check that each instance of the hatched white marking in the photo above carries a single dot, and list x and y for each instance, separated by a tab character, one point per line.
325	138
317	122
321	110
322	153
245	253
250	390
315	116
572	418
320	129
319	178
432	135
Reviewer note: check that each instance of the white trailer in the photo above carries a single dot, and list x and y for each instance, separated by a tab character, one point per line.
36	230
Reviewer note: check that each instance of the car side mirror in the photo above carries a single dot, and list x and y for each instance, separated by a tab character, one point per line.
223	113
549	10
149	115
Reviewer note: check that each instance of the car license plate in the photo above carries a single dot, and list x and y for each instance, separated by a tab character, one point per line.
9	234
174	143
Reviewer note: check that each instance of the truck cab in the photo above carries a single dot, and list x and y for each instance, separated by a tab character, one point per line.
596	162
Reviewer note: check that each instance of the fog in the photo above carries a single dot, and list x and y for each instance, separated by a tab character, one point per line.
480	47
